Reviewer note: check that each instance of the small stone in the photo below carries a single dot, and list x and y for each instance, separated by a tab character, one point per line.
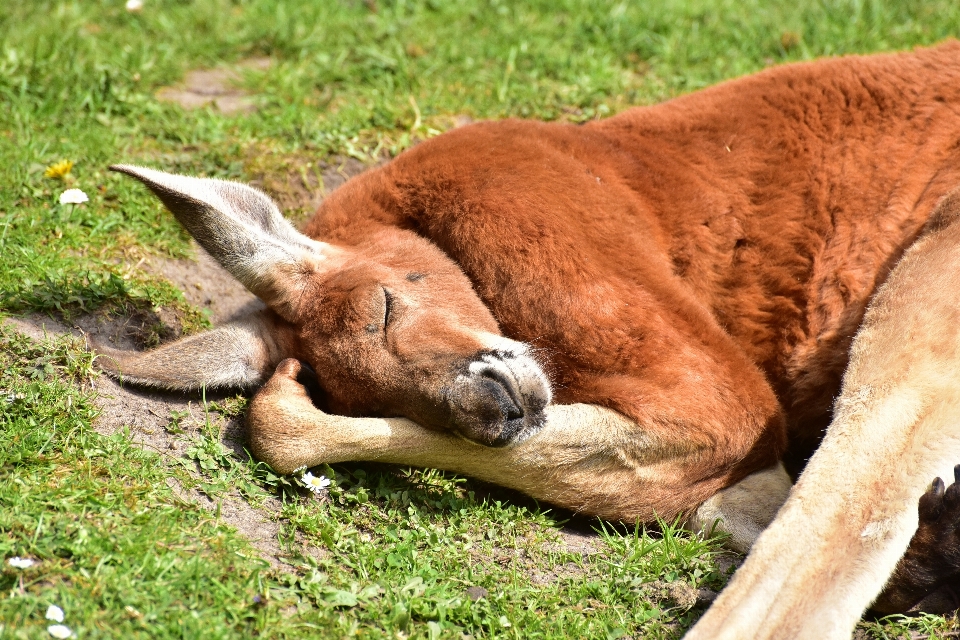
706	596
476	593
59	631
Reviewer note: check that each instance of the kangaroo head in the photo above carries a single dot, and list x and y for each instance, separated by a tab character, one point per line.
390	325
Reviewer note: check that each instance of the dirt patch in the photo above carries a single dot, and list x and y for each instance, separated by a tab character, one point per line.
207	285
147	414
218	88
679	593
204	284
299	182
574	541
727	563
549	575
579	542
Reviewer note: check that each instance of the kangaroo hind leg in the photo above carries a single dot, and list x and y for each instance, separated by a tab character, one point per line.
852	514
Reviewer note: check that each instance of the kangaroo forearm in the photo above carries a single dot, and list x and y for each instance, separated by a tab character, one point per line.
585	458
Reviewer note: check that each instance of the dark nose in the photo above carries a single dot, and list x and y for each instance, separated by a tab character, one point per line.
497	398
500	388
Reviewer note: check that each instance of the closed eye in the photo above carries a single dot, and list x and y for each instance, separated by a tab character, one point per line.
387	307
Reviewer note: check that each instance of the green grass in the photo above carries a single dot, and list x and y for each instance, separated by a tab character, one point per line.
117	549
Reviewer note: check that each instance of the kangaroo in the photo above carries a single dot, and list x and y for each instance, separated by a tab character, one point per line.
638	317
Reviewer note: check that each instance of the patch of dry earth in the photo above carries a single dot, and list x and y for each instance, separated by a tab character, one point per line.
205	284
147	414
299	182
218	88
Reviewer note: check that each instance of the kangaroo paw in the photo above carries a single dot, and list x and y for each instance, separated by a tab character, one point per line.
933	558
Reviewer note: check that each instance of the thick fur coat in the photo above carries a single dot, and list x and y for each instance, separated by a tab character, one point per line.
700	265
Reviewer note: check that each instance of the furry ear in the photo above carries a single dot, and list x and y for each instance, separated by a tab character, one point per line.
238	355
243	230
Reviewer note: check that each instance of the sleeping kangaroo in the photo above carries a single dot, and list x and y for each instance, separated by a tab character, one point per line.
638	317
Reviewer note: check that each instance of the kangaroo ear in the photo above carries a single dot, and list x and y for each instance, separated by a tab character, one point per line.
238	355
243	230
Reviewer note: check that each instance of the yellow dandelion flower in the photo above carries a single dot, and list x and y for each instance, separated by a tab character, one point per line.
59	169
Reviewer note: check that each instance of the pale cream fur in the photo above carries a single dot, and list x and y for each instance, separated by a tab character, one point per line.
744	510
852	514
565	457
242	229
238	354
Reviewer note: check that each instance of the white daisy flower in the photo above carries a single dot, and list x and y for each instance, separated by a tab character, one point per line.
315	483
134	6
73	196
54	613
59	631
21	563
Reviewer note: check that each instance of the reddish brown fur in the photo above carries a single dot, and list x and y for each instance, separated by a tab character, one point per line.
700	265
441	317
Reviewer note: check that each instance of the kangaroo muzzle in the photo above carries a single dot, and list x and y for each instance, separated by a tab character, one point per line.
498	397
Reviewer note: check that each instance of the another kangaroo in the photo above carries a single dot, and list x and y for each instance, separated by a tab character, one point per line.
636	317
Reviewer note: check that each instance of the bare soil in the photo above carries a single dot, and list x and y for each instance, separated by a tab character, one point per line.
146	414
299	182
218	88
205	284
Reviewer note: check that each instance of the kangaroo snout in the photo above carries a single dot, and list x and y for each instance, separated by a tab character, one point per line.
498	398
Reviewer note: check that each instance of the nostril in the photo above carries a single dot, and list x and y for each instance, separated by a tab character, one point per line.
509	405
512	411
